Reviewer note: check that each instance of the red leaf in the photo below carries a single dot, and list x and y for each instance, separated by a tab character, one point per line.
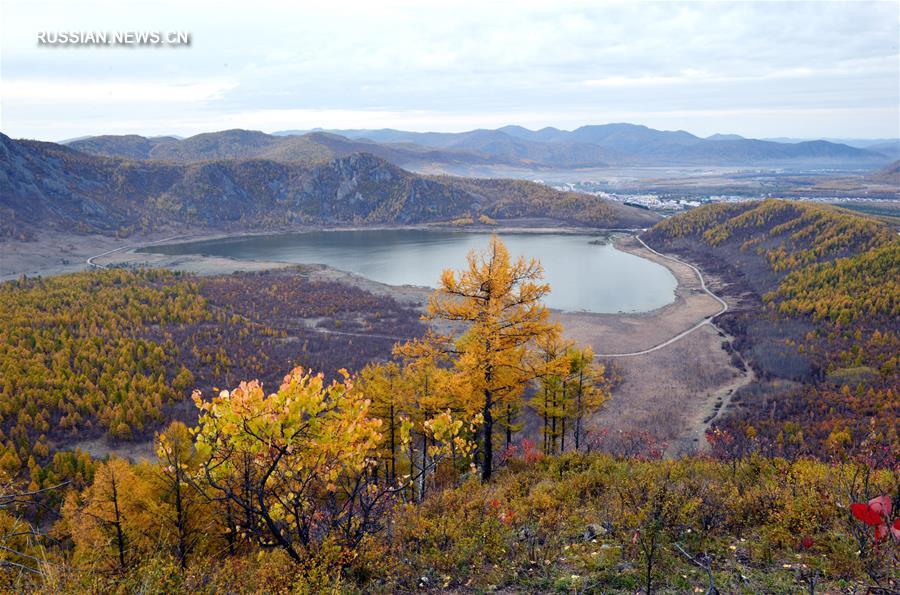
881	531
895	529
865	514
881	505
807	542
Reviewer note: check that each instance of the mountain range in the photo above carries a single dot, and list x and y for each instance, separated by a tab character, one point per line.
623	144
607	145
52	186
313	147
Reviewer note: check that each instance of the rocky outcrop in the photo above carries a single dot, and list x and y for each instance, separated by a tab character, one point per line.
49	185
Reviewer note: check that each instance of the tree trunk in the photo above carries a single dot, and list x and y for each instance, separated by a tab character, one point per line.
553	430
562	418
546	423
509	423
578	412
120	536
273	527
181	519
487	463
393	448
422	478
578	433
562	445
412	470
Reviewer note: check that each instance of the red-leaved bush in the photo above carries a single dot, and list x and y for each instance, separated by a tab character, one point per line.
876	513
527	452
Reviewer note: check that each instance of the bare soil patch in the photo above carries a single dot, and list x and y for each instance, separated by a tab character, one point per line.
622	333
668	393
672	393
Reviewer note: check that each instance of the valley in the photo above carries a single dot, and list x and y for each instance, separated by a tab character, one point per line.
449	297
691	376
659	394
170	195
674	322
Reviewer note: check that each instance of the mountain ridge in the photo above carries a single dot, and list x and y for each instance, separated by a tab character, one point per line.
58	187
606	145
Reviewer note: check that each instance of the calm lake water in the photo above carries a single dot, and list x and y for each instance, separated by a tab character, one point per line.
583	275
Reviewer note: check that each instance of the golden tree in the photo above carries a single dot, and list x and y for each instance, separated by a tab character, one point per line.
295	461
500	302
107	520
551	401
572	387
588	388
423	422
184	511
431	391
383	385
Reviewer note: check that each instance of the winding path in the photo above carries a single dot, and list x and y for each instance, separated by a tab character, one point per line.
90	261
326	331
707	320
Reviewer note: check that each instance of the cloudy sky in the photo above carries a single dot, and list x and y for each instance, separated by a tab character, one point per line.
760	69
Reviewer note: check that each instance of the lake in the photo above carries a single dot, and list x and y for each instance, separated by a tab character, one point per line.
585	271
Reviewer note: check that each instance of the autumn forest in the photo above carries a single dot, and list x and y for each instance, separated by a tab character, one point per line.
294	434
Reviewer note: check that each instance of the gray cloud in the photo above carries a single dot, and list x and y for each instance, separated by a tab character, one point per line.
760	69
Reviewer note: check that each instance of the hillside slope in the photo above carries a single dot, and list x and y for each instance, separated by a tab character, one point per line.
888	175
311	148
815	301
53	186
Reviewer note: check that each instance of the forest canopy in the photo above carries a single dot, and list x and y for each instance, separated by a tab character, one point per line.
818	289
412	471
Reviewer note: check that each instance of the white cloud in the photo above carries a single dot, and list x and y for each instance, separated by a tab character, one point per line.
428	65
93	92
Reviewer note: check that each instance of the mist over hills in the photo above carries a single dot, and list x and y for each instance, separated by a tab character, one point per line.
53	186
607	145
623	144
889	147
888	175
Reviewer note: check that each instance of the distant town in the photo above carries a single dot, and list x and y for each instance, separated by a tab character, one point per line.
675	202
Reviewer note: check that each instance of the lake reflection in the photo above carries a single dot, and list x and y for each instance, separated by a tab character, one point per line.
585	271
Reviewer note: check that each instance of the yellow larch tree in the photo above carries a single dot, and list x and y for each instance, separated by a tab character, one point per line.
500	303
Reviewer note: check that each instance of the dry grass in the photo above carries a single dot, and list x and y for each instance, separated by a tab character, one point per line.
670	393
673	392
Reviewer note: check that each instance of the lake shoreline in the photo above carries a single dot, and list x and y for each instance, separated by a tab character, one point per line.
141	255
586	271
662	392
56	253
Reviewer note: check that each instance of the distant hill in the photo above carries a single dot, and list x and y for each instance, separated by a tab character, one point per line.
859	143
53	186
478	148
890	148
510	146
725	137
619	144
313	147
888	175
130	146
